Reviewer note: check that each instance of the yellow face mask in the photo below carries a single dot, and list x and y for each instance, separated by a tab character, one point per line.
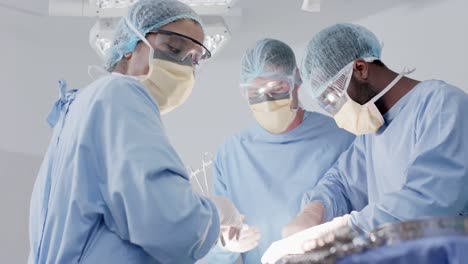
274	116
363	119
169	83
359	119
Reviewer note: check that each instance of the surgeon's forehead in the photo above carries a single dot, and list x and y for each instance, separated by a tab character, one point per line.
260	80
263	80
186	27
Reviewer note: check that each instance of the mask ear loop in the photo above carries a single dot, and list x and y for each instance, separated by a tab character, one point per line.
293	80
299	103
142	38
348	80
404	72
133	28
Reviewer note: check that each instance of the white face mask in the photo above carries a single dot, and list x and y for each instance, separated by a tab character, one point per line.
169	83
363	119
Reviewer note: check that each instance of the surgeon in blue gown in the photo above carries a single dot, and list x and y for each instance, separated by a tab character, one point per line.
111	189
410	159
266	168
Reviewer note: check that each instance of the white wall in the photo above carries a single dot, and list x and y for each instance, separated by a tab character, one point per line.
17	177
433	38
429	35
38	51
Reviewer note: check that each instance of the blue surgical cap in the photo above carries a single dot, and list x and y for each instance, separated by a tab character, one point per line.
269	57
146	16
331	50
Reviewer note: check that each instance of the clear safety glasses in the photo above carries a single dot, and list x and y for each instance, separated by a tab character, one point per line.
267	89
334	96
180	48
175	47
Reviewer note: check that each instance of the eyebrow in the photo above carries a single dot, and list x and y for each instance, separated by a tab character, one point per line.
184	36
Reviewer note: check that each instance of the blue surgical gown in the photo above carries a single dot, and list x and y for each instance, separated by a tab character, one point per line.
111	189
415	166
265	175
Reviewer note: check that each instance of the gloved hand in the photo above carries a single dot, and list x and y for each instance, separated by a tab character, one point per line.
246	240
228	214
301	242
333	225
311	215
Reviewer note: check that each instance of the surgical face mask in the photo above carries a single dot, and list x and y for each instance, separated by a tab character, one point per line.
360	119
352	116
170	83
271	103
274	116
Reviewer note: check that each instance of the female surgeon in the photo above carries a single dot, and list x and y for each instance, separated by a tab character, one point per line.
111	188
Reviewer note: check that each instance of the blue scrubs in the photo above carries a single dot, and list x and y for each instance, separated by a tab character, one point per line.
265	175
111	189
415	166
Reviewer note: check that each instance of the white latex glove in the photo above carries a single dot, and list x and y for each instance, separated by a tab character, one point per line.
228	214
301	242
311	215
245	241
326	228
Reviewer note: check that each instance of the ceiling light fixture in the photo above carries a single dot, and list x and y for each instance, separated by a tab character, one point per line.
118	8
311	5
101	34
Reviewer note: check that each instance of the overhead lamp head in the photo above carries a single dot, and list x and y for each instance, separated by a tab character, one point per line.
101	34
311	5
118	8
216	33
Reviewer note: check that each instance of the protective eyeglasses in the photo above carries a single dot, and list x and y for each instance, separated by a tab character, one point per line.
175	47
180	48
335	96
267	89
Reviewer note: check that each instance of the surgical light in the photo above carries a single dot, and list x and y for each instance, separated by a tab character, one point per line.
311	5
100	35
125	3
118	8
